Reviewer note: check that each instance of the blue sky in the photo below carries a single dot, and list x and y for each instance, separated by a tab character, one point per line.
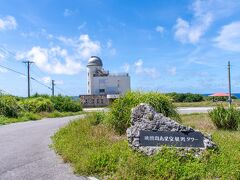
180	46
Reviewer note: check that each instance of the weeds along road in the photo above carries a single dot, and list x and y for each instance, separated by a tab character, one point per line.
25	152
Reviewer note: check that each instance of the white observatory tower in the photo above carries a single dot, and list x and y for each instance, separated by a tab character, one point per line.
94	64
101	82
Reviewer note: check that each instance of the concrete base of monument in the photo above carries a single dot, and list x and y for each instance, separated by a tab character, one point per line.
150	132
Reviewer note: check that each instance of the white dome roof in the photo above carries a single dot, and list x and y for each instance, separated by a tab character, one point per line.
95	61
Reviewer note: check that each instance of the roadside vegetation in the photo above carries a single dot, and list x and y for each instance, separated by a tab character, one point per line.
120	110
226	118
198	100
97	146
16	109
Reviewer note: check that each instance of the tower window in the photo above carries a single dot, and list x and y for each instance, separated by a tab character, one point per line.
102	90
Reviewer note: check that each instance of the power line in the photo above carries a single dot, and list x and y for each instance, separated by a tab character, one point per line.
40	83
24	75
13	70
61	90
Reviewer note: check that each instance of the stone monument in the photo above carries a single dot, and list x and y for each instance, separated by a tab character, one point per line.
151	131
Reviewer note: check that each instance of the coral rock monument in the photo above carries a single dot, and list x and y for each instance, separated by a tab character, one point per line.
150	131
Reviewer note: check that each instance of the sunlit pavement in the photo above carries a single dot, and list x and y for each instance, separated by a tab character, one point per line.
25	153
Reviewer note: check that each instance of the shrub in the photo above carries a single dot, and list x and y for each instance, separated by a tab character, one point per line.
66	104
38	104
40	95
30	116
119	116
9	106
97	118
225	118
185	97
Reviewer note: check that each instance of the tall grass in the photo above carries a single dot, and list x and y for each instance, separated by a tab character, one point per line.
96	150
120	112
226	118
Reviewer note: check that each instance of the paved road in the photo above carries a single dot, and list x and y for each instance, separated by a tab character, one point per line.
189	110
181	110
25	152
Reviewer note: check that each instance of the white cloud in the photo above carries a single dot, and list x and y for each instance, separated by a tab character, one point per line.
87	47
8	23
160	29
172	71
68	12
112	51
2	70
126	67
58	60
229	37
204	13
191	32
81	26
2	56
59	82
53	60
46	80
40	34
140	69
84	46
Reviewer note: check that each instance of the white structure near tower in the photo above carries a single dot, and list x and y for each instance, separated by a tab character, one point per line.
101	82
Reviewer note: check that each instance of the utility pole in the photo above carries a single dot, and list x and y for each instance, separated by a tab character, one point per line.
53	84
229	84
28	70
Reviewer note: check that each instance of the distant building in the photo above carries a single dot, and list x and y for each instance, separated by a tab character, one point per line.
102	86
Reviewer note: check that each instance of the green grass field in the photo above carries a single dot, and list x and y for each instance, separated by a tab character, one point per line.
95	150
36	116
236	102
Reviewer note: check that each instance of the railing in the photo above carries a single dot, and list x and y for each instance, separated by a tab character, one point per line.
118	74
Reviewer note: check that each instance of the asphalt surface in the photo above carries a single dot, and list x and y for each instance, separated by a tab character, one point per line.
190	110
25	153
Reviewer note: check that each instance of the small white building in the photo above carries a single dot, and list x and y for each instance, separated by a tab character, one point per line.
102	86
100	82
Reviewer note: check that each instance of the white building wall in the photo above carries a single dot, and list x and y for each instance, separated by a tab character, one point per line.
112	84
90	82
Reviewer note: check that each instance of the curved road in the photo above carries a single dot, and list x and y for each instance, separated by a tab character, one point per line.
25	152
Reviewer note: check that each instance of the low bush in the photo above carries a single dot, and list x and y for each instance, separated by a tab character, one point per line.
225	118
97	118
120	112
9	106
66	104
30	116
38	104
185	97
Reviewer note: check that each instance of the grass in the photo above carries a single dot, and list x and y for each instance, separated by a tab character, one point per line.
206	103
96	150
35	116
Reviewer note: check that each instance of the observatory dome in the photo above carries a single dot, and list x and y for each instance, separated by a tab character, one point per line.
95	61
